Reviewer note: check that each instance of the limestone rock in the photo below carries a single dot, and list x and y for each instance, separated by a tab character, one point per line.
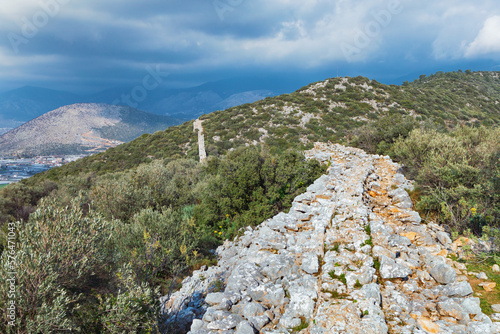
400	198
252	309
443	238
482	276
259	321
196	325
319	264
268	294
245	327
310	263
427	325
226	323
457	289
488	286
471	305
389	268
449	308
214	298
443	273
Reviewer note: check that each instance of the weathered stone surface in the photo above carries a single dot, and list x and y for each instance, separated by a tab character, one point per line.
401	198
268	294
427	325
259	321
495	308
245	327
478	328
482	276
398	240
196	325
212	315
244	276
225	323
450	309
443	273
310	263
353	224
214	298
277	266
200	331
488	286
471	305
372	291
389	268
443	238
253	309
457	289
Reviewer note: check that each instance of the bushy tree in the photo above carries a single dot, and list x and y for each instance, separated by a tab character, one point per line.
133	309
377	137
115	196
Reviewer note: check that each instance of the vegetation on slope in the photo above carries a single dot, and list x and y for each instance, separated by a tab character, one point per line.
325	111
107	246
159	212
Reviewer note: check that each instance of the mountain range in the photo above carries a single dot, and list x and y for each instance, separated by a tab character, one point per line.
24	104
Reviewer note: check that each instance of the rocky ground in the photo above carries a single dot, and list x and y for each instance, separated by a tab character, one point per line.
351	256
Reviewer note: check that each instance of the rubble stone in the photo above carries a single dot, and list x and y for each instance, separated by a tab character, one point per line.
322	264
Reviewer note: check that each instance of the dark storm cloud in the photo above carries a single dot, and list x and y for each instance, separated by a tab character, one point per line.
104	42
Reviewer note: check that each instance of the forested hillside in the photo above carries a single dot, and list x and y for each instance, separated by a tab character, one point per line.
106	235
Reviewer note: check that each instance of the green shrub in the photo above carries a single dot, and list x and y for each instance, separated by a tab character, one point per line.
64	256
60	250
134	309
158	245
457	173
249	186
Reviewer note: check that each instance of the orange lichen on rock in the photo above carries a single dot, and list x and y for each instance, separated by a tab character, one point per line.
427	325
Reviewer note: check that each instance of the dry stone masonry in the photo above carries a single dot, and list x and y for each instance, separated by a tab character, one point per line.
350	257
198	126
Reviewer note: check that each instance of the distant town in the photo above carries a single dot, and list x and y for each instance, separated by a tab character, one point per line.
15	170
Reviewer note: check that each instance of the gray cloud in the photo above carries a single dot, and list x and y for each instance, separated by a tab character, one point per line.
108	42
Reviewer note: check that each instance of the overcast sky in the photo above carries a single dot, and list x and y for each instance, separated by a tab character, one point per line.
88	45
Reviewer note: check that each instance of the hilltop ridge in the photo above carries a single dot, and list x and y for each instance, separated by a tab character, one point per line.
336	110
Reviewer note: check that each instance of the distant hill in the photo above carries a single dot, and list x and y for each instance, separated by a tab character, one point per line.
80	128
